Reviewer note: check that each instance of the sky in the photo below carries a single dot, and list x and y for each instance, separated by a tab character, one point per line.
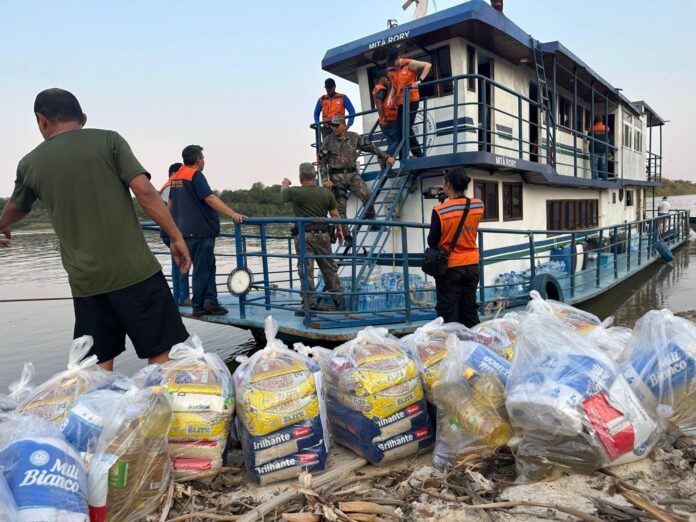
241	78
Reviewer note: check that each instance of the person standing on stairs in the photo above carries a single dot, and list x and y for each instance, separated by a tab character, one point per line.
312	201
338	158
403	72
329	105
388	112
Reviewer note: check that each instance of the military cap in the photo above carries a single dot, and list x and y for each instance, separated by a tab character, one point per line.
338	119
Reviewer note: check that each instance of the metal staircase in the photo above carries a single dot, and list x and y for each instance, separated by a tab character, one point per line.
545	102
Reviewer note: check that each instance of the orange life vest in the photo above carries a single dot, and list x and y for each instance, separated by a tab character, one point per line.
600	127
332	106
466	251
390	110
401	76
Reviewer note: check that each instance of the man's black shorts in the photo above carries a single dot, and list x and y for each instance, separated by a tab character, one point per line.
145	312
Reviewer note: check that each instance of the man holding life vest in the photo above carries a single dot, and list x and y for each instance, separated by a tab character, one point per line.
194	207
331	104
338	158
456	290
388	112
404	72
599	137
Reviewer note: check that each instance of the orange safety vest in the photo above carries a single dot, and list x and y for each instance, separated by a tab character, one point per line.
330	107
390	110
401	77
466	251
600	127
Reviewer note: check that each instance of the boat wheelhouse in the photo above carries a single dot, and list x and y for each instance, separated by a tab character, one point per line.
516	113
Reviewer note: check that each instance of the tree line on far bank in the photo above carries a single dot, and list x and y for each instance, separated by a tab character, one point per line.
265	201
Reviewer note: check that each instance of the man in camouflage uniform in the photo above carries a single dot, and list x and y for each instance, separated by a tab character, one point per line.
338	162
311	200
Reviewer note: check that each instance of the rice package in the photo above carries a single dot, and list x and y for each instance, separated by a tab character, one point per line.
661	368
570	405
52	399
375	397
43	473
18	390
130	469
281	412
579	320
202	396
470	399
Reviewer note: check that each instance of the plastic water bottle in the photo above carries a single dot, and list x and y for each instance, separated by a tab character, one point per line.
499	286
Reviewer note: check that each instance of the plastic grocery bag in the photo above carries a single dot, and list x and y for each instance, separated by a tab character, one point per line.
612	339
569	405
130	469
500	334
281	411
8	508
375	397
18	390
44	474
579	320
470	399
86	418
202	393
428	347
52	399
661	368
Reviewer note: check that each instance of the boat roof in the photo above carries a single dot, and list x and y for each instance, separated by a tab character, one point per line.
478	21
654	120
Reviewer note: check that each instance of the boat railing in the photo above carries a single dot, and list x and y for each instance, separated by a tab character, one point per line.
495	118
567	265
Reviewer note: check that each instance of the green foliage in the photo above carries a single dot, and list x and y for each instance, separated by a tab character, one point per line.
677	187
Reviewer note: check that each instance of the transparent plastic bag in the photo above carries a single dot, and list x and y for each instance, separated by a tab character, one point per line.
8	508
44	474
52	399
202	393
428	347
661	368
375	397
612	339
130	469
569	405
500	334
281	411
470	399
579	320
86	418
18	390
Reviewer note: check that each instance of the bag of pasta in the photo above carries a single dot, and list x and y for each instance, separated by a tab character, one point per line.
43	473
569	404
280	411
470	399
202	396
130	469
661	369
52	399
375	398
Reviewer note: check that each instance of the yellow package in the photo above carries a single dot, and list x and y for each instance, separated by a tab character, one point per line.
199	426
262	422
201	402
386	402
273	391
53	409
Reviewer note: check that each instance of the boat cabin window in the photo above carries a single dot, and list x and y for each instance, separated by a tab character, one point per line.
629	198
487	191
638	141
572	214
564	109
512	201
578	126
442	68
471	67
627	136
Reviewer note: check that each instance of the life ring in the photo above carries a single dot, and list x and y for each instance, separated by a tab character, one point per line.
664	251
547	286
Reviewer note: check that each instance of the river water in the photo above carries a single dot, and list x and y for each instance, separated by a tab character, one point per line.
41	331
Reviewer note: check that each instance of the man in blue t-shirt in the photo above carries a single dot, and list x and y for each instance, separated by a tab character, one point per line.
195	208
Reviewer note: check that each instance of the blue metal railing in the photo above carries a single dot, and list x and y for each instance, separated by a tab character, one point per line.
265	245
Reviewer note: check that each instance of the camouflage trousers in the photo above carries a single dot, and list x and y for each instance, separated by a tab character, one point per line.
350	182
319	244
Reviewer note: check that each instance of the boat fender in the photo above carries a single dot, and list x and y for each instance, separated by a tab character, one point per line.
547	286
664	251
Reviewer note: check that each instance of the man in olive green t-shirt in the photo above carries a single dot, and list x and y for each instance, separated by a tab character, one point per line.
83	177
312	201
